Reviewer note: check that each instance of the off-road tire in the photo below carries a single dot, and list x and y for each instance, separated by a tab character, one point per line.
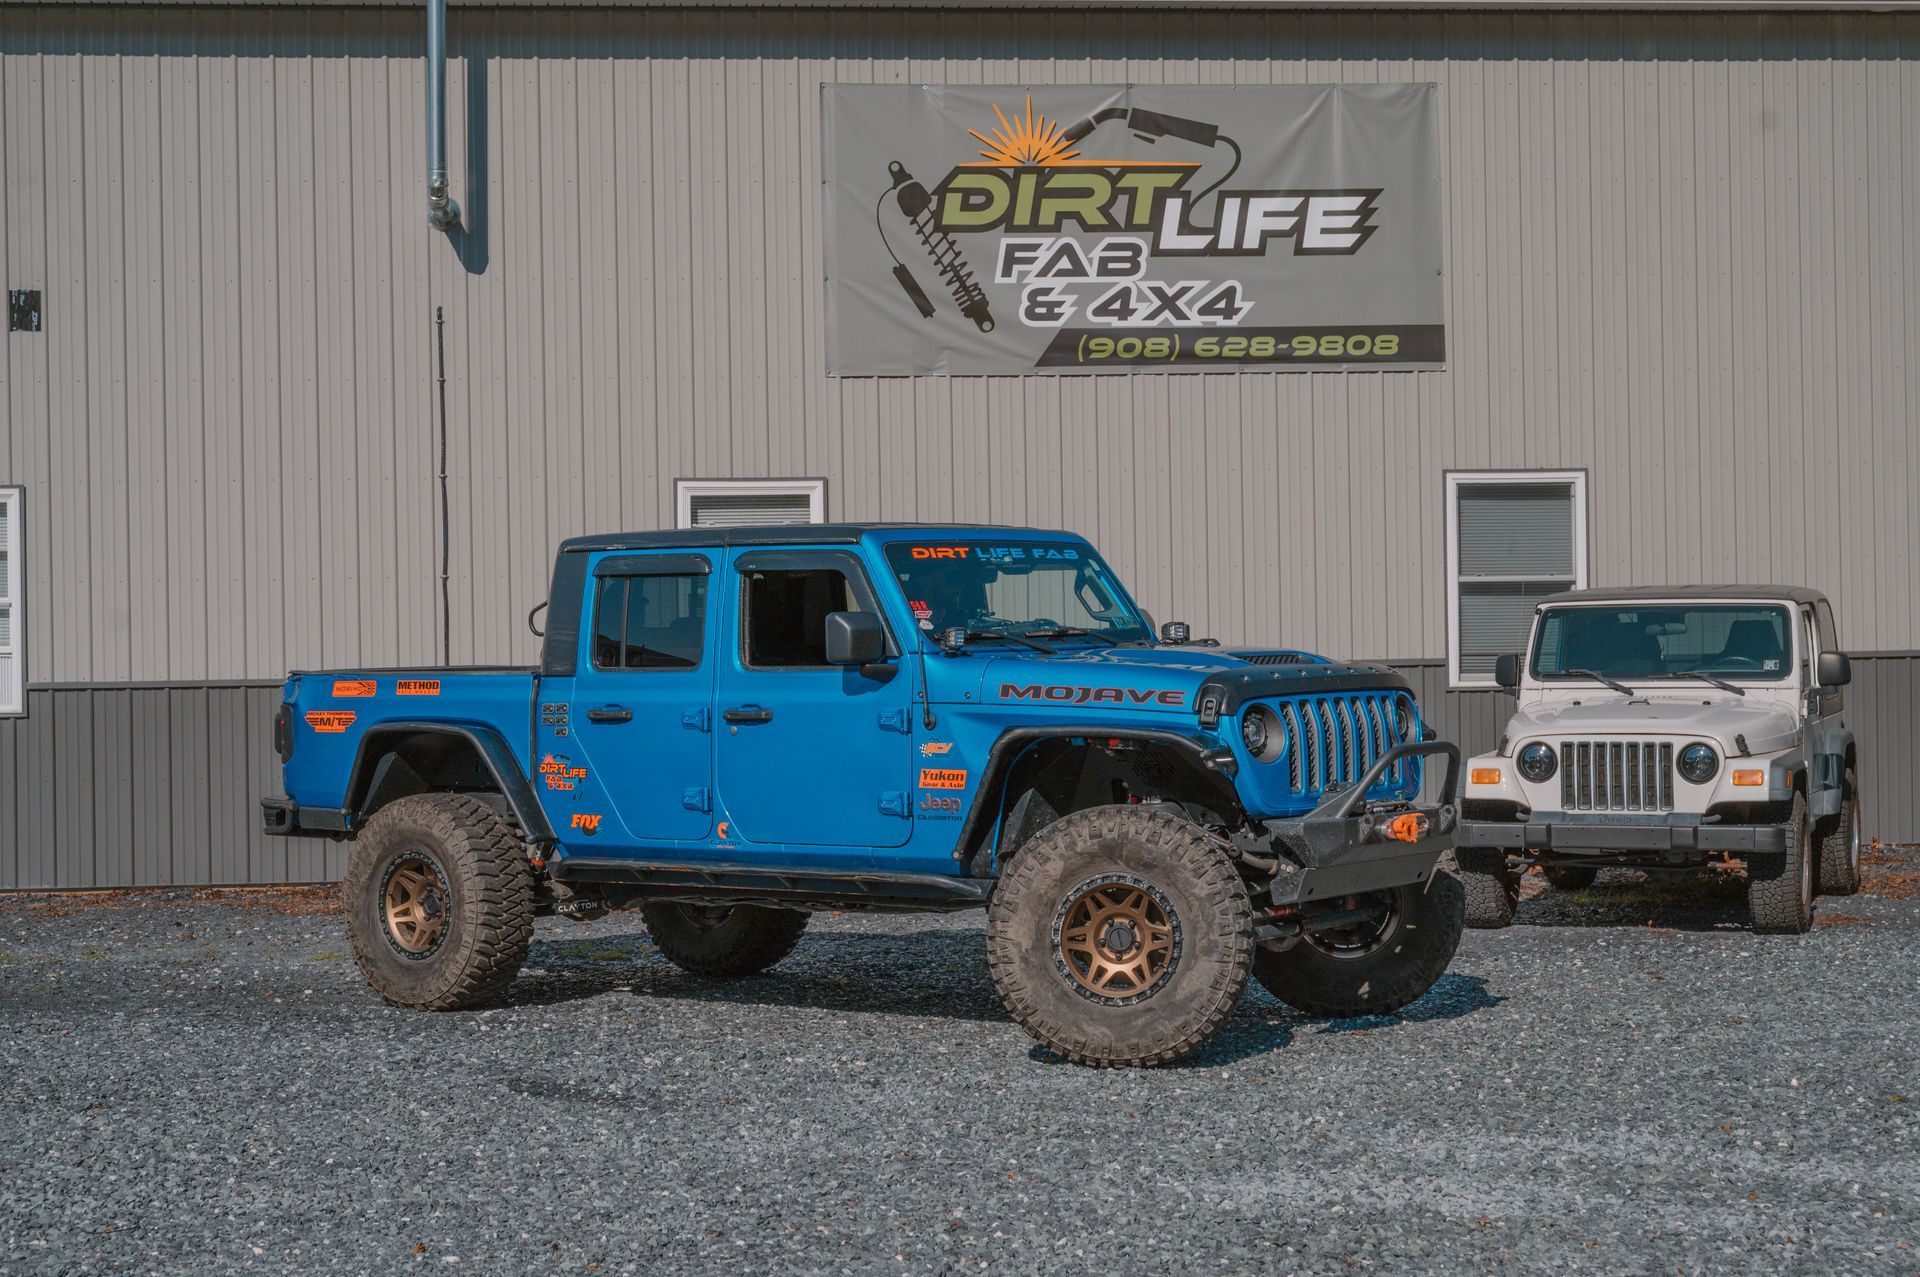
484	889
1166	859
1838	865
1413	956
1569	877
1492	890
1780	888
743	940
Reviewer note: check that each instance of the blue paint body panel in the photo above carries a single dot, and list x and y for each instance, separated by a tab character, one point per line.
842	772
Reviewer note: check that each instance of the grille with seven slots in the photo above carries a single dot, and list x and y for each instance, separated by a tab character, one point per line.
1602	775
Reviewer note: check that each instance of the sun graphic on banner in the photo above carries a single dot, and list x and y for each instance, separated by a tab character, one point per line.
1033	139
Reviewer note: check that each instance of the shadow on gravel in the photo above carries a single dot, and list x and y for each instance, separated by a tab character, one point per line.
1711	900
932	973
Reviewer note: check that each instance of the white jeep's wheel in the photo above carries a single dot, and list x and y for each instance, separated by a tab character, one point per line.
1839	852
1780	888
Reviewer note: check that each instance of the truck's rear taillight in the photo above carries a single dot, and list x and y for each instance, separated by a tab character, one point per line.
283	733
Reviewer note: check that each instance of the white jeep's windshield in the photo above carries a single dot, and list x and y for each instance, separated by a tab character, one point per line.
1037	589
1726	640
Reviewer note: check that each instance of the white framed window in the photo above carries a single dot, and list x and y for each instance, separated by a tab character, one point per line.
1513	537
733	503
13	626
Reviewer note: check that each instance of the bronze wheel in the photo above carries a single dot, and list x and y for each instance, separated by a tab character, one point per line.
1116	938
414	899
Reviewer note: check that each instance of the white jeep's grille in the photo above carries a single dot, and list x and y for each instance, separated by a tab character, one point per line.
1616	775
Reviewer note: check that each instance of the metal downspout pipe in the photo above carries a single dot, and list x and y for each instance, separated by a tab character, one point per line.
442	212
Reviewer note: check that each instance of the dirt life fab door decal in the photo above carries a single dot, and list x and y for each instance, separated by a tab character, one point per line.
1091	228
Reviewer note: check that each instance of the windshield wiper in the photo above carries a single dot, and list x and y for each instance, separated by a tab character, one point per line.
1007	636
1720	683
1069	631
1598	677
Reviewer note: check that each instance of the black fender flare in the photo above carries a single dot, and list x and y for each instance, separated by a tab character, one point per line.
1827	772
487	743
1208	757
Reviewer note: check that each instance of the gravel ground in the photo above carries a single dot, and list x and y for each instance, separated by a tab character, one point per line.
1624	1082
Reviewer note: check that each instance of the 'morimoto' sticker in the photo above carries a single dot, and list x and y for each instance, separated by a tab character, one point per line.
330	721
943	778
345	687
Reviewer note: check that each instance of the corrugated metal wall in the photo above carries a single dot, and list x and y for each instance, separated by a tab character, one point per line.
1680	254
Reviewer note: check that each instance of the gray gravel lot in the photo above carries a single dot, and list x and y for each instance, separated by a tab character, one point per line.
1625	1083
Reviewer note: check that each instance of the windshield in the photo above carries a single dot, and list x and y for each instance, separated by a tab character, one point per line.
1738	640
1014	587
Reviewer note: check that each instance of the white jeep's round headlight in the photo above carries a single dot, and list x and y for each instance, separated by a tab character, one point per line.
1698	762
1537	762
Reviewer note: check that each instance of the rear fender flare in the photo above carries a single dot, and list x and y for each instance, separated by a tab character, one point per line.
492	750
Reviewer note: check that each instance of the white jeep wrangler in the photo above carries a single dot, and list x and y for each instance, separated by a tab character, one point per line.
1666	728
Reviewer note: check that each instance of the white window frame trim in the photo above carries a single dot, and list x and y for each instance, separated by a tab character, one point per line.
15	496
1455	480
685	490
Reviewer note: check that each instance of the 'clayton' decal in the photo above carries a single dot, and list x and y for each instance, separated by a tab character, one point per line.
1075	695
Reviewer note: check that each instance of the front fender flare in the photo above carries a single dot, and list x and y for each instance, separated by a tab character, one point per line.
1209	757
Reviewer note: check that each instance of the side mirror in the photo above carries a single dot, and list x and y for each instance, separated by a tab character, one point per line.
1833	669
1175	632
855	638
1506	671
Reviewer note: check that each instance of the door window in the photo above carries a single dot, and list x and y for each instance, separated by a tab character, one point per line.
650	623
784	615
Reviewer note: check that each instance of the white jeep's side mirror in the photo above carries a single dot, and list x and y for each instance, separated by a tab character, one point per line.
1506	671
1833	669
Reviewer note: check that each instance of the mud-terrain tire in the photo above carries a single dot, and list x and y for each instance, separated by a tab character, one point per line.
1838	865
1569	877
1120	937
732	940
1491	889
1376	971
1780	888
439	902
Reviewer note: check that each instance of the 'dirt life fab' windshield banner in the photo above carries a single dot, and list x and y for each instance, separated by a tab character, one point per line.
1123	228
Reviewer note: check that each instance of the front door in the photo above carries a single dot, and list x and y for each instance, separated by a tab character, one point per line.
637	765
811	755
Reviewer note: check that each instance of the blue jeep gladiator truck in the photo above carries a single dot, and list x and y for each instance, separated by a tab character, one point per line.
730	728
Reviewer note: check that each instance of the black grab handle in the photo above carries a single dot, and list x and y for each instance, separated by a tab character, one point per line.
611	714
748	714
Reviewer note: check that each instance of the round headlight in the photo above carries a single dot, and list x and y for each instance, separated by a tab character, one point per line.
1253	731
1698	762
1537	762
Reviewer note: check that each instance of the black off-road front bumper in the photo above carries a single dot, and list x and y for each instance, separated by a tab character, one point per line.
1346	846
1671	838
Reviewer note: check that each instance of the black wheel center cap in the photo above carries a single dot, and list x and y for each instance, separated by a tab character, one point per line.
1119	937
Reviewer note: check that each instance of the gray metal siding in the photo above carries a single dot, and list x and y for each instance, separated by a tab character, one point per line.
1679	252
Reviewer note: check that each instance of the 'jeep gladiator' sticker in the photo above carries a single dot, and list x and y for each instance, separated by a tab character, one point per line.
346	687
330	722
943	778
1075	695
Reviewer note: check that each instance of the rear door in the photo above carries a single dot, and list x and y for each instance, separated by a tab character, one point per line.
637	764
809	754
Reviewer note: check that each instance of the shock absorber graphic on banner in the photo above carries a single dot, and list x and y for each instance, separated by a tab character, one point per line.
916	205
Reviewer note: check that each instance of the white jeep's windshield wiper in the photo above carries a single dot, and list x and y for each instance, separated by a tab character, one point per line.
1598	677
1720	683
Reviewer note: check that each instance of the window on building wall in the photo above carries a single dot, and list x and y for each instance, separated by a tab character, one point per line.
734	503
13	637
1513	537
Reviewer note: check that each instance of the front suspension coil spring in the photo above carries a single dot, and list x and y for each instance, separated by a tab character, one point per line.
917	205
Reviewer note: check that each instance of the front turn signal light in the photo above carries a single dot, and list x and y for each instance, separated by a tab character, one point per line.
1750	778
1485	776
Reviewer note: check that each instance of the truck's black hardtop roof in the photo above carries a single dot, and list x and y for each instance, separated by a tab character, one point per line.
1661	593
770	534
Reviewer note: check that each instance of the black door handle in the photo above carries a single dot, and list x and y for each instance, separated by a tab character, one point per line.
748	714
611	714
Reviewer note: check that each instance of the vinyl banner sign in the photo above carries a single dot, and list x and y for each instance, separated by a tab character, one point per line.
1127	228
